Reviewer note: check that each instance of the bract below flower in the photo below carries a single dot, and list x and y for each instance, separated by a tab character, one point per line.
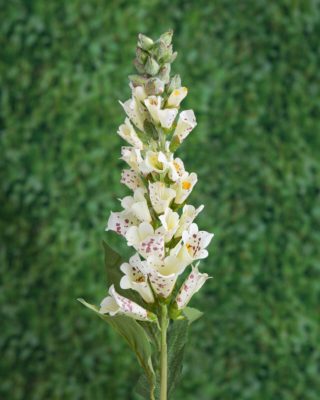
191	285
116	304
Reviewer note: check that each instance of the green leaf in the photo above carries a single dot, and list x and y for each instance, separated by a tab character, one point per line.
177	338
192	314
135	336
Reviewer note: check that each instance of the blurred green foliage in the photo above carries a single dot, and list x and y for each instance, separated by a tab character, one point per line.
252	69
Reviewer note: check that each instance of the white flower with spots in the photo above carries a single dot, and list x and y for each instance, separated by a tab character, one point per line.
116	304
191	285
146	240
136	278
127	132
161	196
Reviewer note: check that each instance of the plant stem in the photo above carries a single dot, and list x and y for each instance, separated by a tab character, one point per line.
163	354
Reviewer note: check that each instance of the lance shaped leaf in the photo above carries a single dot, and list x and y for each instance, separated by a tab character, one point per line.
135	336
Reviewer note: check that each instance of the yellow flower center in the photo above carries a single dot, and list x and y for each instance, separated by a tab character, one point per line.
186	185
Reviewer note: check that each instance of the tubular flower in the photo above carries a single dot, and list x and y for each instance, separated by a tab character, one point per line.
191	285
116	304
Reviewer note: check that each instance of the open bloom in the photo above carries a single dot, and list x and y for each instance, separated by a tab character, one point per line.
135	112
177	96
187	122
184	186
155	162
170	223
189	213
195	243
160	196
135	278
137	205
163	117
116	304
191	285
131	179
145	240
120	222
132	157
127	132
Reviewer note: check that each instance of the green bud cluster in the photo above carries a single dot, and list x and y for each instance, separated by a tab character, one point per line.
153	64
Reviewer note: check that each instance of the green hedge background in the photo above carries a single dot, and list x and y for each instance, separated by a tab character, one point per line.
253	72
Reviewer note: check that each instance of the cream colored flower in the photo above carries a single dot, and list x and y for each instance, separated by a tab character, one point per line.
184	186
145	240
177	96
176	169
170	223
131	156
131	179
137	205
120	222
164	117
136	279
191	285
154	161
160	196
189	213
195	243
127	132
186	122
116	304
134	112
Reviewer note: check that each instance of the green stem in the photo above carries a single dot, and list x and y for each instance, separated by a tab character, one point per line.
163	354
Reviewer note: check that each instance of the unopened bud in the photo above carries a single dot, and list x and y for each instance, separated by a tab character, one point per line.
154	87
164	73
167	37
144	42
174	84
151	66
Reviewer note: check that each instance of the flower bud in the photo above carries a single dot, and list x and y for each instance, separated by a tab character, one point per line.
137	80
161	50
144	42
175	83
164	73
154	87
141	55
151	66
139	67
167	37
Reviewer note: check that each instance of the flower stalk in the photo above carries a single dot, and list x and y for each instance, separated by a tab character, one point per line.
164	353
152	289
